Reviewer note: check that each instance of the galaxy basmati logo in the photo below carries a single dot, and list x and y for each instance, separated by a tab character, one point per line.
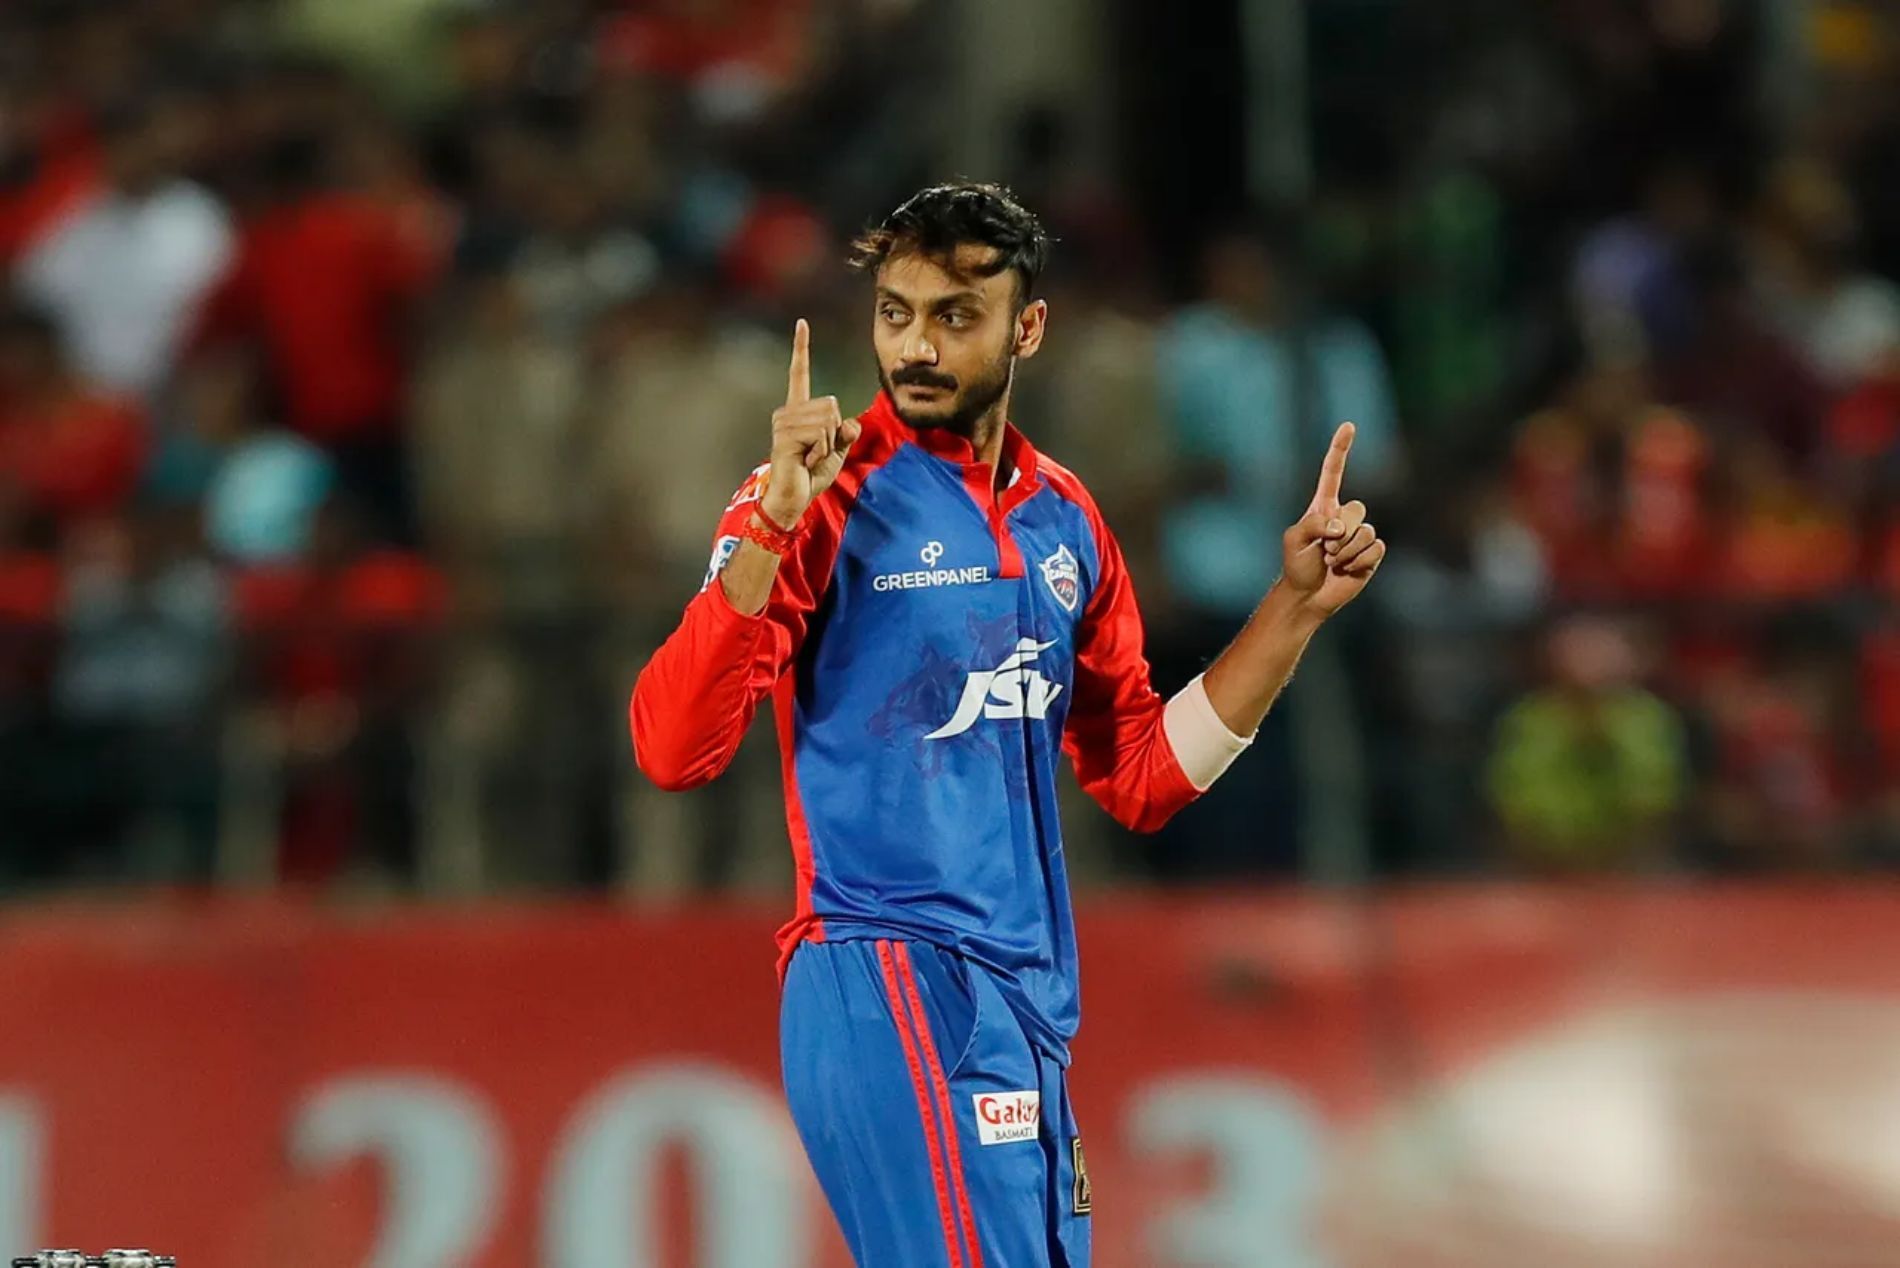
1004	1118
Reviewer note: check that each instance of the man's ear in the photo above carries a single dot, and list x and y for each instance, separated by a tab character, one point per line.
1031	323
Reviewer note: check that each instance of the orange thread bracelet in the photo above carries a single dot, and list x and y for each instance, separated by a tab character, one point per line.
763	533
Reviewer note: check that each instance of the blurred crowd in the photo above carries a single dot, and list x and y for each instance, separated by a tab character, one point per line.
372	374
1693	511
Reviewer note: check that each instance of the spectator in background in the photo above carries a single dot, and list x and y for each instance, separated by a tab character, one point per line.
1784	540
140	676
578	259
497	453
124	271
1253	380
1587	773
1453	323
542	209
673	358
341	649
1783	784
1732	369
1615	488
261	486
1630	281
326	285
1845	321
502	466
1467	578
68	452
1862	461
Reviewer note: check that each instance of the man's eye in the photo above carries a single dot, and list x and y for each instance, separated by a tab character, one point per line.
895	316
956	321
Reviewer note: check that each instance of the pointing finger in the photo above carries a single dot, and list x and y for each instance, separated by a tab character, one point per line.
798	384
1332	472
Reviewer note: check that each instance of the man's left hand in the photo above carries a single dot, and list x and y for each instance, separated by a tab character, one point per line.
1331	553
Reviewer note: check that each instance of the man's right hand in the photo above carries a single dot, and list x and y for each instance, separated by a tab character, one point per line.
810	440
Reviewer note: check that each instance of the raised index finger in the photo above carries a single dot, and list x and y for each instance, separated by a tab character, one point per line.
798	385
1332	472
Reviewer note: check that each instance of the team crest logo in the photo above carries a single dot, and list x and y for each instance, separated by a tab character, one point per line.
1064	576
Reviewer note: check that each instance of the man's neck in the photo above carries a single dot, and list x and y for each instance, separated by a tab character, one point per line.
986	438
988	441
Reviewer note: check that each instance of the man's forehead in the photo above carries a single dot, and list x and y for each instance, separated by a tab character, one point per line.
917	276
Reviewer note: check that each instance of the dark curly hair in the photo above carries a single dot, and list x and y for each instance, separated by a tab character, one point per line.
936	221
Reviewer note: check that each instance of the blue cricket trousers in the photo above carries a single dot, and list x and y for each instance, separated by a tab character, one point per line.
941	1136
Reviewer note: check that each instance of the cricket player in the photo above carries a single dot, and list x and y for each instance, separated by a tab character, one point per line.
937	612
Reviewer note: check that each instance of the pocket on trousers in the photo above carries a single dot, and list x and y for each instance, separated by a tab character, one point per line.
974	982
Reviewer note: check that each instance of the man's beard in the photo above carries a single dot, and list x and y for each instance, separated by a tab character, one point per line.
971	401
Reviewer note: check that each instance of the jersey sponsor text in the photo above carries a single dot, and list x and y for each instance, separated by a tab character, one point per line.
1003	1118
974	575
1014	689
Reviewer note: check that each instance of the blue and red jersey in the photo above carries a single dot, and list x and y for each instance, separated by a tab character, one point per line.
932	646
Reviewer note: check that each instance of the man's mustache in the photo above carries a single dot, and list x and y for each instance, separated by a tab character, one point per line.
918	376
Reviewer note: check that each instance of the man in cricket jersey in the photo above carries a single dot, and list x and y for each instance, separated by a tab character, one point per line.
936	613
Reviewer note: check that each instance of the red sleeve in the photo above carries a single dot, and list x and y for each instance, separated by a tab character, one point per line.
1115	734
696	697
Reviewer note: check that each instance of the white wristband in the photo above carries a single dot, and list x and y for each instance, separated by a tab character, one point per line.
1201	741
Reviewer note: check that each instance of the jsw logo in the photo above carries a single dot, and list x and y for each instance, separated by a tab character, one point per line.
1012	690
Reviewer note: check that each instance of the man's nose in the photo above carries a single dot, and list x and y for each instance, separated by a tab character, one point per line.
918	350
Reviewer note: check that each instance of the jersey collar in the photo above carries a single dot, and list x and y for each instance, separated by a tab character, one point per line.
1018	453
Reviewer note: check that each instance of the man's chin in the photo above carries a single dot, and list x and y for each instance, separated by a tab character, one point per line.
935	414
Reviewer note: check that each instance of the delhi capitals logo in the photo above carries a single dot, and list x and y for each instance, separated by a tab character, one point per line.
1064	576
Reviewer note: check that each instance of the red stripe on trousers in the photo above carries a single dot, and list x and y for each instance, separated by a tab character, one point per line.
943	1104
900	1015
